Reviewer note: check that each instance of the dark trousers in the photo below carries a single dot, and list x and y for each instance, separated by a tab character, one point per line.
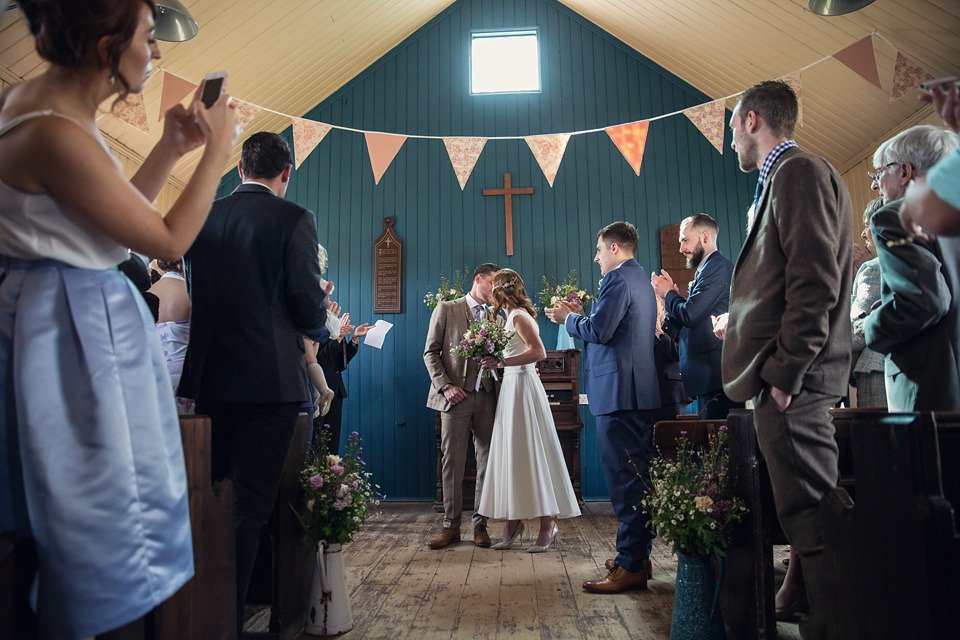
625	443
333	418
249	445
715	405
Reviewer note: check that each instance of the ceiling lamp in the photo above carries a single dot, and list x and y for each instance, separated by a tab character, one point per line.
174	22
836	7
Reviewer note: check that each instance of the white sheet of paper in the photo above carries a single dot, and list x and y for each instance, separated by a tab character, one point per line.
377	333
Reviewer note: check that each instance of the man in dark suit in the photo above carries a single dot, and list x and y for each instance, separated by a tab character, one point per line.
254	285
709	295
787	341
623	394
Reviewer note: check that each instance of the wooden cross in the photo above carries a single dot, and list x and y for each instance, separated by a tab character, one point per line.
506	192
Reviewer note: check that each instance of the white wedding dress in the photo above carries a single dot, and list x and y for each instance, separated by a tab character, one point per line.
526	476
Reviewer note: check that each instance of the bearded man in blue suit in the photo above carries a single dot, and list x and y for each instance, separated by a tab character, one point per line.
623	393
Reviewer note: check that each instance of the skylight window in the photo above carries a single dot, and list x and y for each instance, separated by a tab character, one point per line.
504	61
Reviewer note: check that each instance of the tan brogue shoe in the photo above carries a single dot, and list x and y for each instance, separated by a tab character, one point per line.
617	581
647	566
480	536
446	537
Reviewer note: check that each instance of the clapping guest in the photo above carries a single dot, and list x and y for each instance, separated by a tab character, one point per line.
173	323
91	461
867	363
333	357
673	396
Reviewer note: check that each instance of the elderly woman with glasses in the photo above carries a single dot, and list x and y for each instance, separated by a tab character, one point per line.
917	325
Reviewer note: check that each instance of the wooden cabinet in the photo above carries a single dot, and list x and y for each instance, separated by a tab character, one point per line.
558	372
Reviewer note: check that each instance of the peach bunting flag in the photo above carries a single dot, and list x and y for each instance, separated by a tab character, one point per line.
133	111
175	89
246	112
548	150
464	153
630	139
383	148
708	118
859	58
795	82
307	134
906	77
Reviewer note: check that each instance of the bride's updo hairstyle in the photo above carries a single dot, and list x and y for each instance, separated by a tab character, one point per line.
66	32
508	291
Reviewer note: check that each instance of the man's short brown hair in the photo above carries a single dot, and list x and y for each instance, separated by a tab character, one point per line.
485	269
775	102
701	222
623	233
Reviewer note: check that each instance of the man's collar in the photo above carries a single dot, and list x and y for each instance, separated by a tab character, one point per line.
471	301
256	183
705	258
771	160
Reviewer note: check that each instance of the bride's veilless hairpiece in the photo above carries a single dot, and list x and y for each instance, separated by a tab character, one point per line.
504	285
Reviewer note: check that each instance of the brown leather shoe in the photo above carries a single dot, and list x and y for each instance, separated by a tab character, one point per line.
617	581
480	536
647	566
447	536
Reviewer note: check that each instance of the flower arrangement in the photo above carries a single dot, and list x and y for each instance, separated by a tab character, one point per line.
482	339
338	495
448	290
690	503
567	290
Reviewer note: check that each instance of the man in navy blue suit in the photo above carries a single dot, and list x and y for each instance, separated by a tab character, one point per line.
709	295
623	393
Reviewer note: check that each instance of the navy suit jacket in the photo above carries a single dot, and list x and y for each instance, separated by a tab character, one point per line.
620	373
699	349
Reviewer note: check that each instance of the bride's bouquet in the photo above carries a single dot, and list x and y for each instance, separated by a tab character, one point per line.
482	339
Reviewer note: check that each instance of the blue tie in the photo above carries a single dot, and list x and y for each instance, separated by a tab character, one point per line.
756	198
478	312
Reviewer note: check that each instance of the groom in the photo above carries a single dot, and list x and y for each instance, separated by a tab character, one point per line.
623	393
453	380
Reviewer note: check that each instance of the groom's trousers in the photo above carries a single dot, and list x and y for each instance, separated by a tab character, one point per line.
625	443
474	414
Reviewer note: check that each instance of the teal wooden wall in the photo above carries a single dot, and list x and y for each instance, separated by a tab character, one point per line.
589	80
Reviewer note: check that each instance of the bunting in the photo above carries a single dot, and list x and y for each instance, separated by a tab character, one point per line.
175	89
860	59
906	77
709	119
548	150
793	79
630	139
383	148
133	111
307	134
464	153
246	112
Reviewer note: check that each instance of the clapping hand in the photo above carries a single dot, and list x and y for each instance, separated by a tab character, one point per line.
333	308
361	331
720	325
345	326
860	255
663	284
561	309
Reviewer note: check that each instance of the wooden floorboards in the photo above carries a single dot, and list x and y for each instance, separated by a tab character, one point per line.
402	589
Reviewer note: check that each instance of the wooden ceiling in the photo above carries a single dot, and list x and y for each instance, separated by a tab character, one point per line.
289	55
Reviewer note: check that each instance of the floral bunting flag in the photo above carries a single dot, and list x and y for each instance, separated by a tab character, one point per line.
860	59
906	77
708	118
630	139
383	148
548	150
133	111
246	112
175	89
793	79
307	134
464	153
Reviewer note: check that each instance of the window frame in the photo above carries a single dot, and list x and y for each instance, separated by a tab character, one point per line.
515	31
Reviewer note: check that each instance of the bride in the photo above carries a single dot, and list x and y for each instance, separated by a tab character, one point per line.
526	475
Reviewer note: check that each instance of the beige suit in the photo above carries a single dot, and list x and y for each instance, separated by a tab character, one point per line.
450	320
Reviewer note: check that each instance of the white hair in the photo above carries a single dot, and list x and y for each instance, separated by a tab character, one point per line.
921	147
322	258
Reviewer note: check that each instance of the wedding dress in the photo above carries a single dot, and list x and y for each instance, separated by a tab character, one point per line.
526	475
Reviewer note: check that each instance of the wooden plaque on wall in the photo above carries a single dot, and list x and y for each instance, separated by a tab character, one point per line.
387	262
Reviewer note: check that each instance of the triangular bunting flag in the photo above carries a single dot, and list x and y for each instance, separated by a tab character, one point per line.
906	77
548	150
464	153
175	89
708	118
246	112
859	57
133	111
383	148
793	79
630	139
307	134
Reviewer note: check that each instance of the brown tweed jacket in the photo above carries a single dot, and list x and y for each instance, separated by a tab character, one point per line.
450	320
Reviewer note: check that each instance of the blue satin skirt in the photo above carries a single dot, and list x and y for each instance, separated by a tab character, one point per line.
91	461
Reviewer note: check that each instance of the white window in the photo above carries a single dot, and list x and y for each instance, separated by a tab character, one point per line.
504	61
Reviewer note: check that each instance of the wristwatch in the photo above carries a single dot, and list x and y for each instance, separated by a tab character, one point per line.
444	387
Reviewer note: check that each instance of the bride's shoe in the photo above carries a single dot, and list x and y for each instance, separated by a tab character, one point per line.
536	548
517	535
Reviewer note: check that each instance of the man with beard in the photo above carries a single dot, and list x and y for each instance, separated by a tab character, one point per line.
709	295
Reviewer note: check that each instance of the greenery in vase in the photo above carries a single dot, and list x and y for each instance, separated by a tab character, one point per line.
691	503
448	289
568	290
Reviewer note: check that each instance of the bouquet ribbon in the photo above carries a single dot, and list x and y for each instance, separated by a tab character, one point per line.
480	377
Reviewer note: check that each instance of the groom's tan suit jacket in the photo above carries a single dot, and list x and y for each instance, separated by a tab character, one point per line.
450	320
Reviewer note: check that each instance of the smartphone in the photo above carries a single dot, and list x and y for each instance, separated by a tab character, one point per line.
946	84
212	87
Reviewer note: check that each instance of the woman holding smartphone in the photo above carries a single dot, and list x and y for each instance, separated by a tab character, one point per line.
90	454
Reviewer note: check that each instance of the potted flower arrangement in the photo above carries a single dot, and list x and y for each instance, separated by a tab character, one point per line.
448	289
338	497
692	506
568	291
482	339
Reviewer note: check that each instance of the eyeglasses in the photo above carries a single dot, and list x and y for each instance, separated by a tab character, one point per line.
875	176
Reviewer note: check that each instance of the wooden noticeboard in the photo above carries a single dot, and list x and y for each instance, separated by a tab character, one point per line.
387	262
